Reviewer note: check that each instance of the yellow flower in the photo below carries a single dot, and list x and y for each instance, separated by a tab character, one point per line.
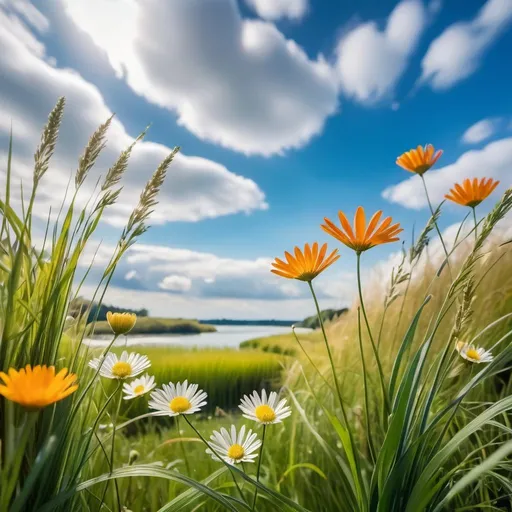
37	387
472	192
419	160
305	266
121	323
363	237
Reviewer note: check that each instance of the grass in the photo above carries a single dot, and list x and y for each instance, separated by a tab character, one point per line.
155	325
224	374
395	419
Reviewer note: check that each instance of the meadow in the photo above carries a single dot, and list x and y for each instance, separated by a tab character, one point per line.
403	403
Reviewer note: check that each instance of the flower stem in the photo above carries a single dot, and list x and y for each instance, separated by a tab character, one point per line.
476	223
435	221
365	382
259	467
184	451
329	353
217	455
113	444
374	348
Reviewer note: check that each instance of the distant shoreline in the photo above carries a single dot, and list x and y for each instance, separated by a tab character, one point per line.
265	323
155	325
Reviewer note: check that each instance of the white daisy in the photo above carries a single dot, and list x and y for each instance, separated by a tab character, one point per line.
234	448
124	367
263	410
475	354
173	400
138	387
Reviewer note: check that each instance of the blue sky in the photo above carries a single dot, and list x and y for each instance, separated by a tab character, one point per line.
286	111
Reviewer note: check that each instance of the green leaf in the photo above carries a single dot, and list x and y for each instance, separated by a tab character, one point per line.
306	465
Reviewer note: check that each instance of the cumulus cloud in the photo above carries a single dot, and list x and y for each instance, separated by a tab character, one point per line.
205	275
175	283
196	188
276	9
370	61
262	94
458	51
480	131
492	161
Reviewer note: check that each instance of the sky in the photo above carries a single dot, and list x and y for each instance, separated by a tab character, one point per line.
286	111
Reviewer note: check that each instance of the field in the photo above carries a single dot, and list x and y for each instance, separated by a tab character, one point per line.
403	403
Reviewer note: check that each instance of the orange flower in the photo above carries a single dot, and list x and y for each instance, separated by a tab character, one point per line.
37	387
472	192
363	237
305	266
419	160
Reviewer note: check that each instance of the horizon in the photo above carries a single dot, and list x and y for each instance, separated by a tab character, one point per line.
285	113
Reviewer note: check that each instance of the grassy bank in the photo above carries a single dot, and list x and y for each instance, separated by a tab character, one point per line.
151	325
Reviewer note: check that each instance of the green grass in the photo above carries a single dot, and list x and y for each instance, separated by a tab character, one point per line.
433	433
154	325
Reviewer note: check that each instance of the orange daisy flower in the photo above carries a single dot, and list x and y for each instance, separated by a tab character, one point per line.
37	387
472	192
419	160
305	266
363	237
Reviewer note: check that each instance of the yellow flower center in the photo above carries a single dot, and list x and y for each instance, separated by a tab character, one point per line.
473	354
265	413
138	389
180	404
235	452
121	369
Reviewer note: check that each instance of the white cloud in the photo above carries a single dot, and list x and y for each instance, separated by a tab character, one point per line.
131	274
492	161
175	283
370	61
458	51
276	9
480	131
231	81
196	188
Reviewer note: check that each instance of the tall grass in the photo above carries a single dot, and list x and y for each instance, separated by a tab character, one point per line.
387	415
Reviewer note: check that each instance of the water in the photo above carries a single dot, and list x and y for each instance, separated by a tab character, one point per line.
226	336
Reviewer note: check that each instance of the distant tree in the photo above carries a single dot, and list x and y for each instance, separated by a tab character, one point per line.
328	315
79	306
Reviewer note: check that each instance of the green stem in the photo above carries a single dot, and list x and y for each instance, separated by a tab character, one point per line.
329	353
113	445
217	455
374	348
435	221
381	326
185	458
365	383
309	358
259	468
476	223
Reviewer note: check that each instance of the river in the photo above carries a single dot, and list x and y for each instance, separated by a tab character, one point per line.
226	336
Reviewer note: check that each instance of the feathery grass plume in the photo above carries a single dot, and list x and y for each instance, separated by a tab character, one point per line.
465	311
501	209
117	170
423	240
93	149
398	276
48	140
147	200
